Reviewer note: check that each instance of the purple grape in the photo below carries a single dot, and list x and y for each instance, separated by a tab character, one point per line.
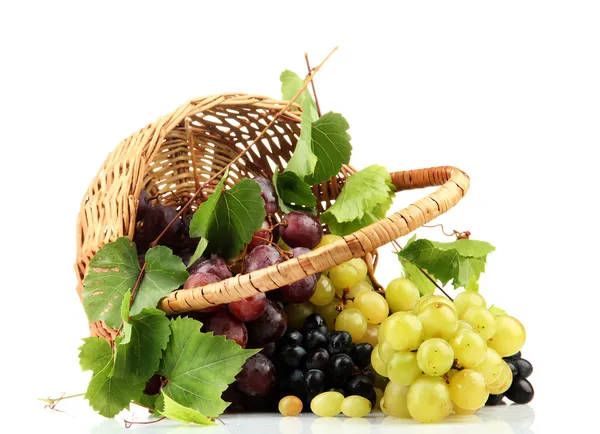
235	397
301	229
257	376
215	265
223	324
300	291
269	327
268	194
155	220
261	257
186	242
262	236
153	385
248	309
200	279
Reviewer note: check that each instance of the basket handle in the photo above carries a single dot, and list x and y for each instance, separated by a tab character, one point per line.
454	185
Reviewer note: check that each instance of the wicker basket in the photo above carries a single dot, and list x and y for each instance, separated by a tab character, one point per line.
158	158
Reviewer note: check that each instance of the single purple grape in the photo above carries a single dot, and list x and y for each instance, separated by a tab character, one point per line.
222	323
248	309
261	257
269	327
300	291
215	265
301	229
257	376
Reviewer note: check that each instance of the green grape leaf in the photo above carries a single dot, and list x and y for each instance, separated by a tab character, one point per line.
200	248
112	271
496	310
174	410
94	354
292	192
164	273
110	395
412	272
229	218
199	366
365	198
447	262
139	348
473	284
303	161
331	144
148	401
291	83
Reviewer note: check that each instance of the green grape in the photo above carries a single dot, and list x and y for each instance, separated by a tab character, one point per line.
403	331
394	401
469	348
466	300
349	273
373	306
352	321
435	357
360	287
367	280
468	390
509	337
370	336
356	406
491	367
428	399
329	312
328	239
327	404
383	408
377	363
428	299
463	325
324	293
349	304
461	411
403	368
439	321
297	312
482	320
504	380
402	294
386	351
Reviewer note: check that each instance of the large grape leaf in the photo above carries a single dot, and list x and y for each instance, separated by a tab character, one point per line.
174	410
365	198
139	347
447	262
229	217
112	271
331	144
199	366
292	192
200	248
290	85
164	273
107	395
303	161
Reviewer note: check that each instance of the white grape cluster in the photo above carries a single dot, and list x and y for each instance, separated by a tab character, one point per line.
442	356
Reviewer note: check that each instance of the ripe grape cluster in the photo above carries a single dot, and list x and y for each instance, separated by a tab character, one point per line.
520	390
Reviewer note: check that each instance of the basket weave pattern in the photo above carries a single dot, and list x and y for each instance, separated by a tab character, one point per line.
159	159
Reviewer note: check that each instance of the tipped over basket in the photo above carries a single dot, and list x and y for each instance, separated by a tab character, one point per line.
159	159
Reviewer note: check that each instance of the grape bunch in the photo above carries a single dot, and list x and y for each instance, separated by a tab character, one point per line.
520	390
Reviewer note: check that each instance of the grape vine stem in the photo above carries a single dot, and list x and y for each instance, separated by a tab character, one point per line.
312	84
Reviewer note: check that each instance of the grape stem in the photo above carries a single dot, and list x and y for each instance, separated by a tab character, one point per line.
459	235
130	423
51	403
312	84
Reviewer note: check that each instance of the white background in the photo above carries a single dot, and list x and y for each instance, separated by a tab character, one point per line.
508	91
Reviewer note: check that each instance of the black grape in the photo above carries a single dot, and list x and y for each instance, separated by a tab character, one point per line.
339	342
314	382
524	368
296	382
269	327
153	385
291	337
314	321
143	206
361	354
341	366
317	358
293	355
301	229
359	385
314	339
521	391
513	367
257	376
495	400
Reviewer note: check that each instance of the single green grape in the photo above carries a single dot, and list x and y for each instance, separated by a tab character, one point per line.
509	337
482	320
354	290
386	351
356	406
328	239
378	365
395	401
324	293
428	299
461	411
468	390
403	369
504	380
463	325
435	357
373	306
469	348
403	331
297	312
428	399
352	321
349	273
402	294
491	367
370	336
466	300
439	321
327	404
329	312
